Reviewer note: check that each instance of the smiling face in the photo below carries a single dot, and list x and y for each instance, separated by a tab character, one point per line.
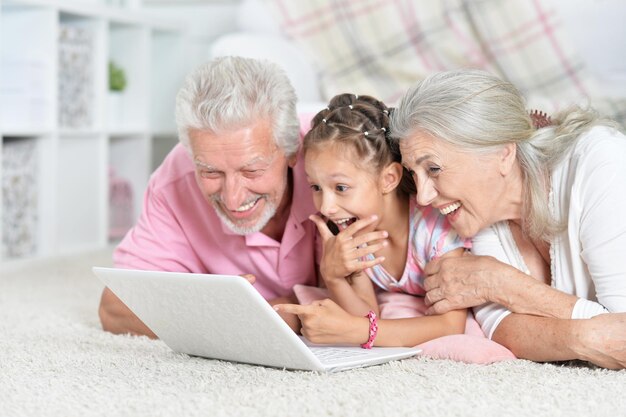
473	190
342	191
243	174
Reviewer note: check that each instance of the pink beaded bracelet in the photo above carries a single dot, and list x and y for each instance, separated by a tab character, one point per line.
371	316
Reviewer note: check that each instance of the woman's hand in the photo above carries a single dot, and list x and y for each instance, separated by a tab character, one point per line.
602	340
462	282
325	322
342	253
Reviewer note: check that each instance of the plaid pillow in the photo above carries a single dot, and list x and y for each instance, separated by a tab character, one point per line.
381	47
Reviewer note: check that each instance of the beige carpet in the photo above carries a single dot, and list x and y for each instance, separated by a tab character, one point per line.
56	361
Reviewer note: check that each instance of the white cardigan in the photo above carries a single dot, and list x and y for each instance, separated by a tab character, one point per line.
588	259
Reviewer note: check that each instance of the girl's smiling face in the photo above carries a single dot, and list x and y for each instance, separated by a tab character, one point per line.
343	191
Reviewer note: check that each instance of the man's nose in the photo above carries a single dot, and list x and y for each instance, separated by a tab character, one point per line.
233	193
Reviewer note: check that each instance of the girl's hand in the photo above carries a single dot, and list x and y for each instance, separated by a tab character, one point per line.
325	322
342	253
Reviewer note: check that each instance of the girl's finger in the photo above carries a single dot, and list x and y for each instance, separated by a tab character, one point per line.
370	263
369	238
323	229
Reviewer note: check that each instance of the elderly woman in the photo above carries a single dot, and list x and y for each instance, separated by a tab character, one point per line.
543	197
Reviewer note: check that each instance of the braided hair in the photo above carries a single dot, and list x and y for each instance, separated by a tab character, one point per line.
361	124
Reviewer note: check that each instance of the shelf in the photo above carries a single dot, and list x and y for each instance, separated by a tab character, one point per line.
123	151
81	191
28	82
20	211
99	9
25	132
81	72
128	49
129	131
25	208
74	160
166	59
79	132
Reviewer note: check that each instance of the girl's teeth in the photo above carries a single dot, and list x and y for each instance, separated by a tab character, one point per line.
449	209
342	223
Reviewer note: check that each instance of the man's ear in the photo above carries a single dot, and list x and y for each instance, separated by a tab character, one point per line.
292	160
390	177
507	158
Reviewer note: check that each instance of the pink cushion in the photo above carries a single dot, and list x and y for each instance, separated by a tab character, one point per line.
471	347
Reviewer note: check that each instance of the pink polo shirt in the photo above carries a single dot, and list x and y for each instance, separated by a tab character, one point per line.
178	230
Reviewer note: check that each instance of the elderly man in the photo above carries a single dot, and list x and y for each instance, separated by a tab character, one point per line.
231	197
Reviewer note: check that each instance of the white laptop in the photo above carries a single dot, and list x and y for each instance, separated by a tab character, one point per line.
224	317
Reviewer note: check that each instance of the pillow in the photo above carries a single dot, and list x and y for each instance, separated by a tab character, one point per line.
382	48
471	347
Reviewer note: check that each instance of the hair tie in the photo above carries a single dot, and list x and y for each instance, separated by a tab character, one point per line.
366	133
324	120
540	119
350	106
383	129
386	111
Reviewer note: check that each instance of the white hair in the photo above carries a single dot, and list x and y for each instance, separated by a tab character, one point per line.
234	92
478	112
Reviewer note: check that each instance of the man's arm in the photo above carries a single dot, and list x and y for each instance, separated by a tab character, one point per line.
117	318
600	340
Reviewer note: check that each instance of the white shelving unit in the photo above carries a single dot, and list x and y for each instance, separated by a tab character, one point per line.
64	141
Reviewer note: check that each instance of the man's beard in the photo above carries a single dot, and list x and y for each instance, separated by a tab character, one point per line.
268	212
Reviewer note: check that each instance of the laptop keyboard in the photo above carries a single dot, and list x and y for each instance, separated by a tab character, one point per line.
326	354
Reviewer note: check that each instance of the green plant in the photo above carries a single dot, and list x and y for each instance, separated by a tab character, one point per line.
117	77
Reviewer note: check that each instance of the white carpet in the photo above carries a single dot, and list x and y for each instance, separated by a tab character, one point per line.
56	361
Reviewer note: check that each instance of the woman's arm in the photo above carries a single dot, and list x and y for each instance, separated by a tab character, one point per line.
473	280
326	322
470	281
600	340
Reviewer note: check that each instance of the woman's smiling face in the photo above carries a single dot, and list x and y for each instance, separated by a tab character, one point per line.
467	187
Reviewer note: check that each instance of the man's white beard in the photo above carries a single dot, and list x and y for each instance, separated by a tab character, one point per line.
268	212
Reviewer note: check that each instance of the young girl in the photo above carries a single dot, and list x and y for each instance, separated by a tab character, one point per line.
380	235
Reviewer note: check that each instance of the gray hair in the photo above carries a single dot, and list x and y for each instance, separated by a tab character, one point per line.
233	92
478	112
